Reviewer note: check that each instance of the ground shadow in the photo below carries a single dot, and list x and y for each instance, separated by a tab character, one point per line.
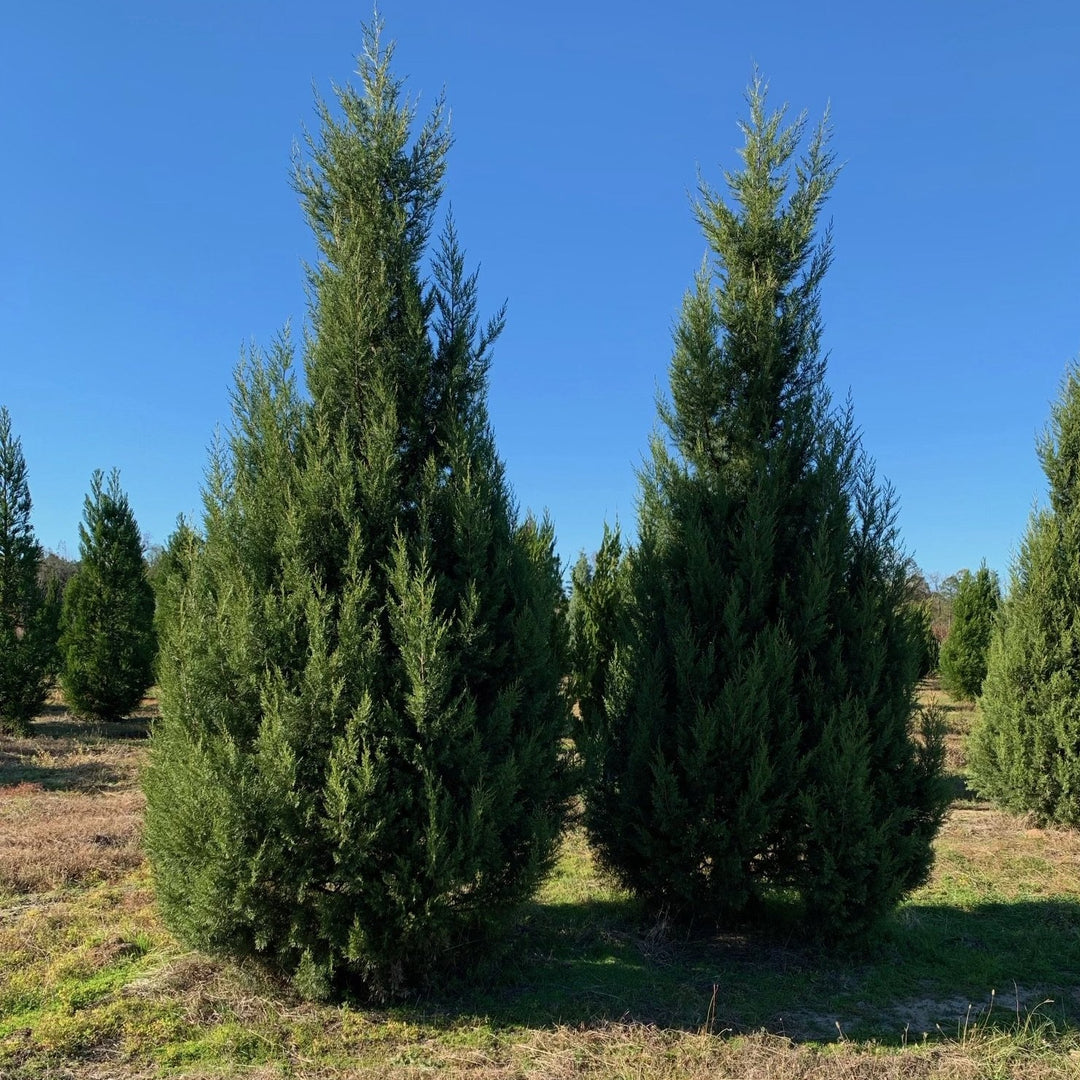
956	785
63	753
86	776
62	725
932	969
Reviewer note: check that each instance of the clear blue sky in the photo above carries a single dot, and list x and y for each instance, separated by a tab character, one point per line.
148	229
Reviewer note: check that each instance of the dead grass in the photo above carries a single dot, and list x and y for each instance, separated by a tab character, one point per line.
93	987
70	805
959	717
52	839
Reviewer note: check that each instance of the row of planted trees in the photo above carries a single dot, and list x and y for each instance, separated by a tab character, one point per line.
366	753
94	632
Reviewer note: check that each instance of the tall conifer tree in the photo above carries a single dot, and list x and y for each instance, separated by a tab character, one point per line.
107	638
358	772
964	651
25	641
746	672
1025	751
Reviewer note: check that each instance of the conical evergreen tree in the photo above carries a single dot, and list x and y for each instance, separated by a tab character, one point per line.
25	642
107	638
964	651
746	672
1025	751
358	773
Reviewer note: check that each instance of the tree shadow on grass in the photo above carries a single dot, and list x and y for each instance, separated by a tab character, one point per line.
63	725
85	776
931	969
957	786
66	754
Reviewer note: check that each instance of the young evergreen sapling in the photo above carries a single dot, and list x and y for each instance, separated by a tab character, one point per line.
107	640
964	651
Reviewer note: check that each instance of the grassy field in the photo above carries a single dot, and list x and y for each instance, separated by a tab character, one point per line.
978	975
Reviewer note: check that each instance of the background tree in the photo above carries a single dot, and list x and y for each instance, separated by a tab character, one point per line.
107	623
922	605
358	771
54	573
1025	751
24	639
963	653
746	672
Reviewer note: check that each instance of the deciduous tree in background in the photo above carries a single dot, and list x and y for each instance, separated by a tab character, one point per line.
964	651
1025	751
107	623
25	643
358	771
746	672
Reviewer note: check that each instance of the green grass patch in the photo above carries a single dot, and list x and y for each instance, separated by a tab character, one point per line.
976	976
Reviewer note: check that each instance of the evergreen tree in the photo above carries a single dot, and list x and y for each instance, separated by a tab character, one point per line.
358	773
929	649
169	575
24	639
963	653
746	672
1025	751
107	623
921	603
54	574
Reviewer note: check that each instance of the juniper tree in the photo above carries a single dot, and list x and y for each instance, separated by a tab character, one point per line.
964	651
25	643
1024	753
358	771
746	671
107	641
54	573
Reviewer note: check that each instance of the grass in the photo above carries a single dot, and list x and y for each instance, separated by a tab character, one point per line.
976	978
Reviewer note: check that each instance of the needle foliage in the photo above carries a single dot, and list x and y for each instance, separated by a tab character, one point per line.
359	770
26	638
746	672
107	640
1025	751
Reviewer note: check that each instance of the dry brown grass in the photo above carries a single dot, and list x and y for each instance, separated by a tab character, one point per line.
70	812
49	839
70	807
959	717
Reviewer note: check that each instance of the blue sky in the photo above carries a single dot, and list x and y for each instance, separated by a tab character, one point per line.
148	229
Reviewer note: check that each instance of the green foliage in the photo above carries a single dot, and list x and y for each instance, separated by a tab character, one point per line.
358	773
1025	751
54	573
25	642
168	576
923	606
746	672
929	648
964	651
107	639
